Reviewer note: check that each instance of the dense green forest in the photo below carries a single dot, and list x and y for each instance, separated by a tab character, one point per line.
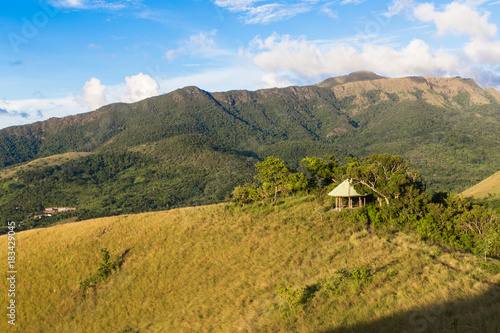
116	182
192	147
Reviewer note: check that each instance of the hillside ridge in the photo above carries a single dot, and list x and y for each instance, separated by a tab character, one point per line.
163	148
211	268
486	189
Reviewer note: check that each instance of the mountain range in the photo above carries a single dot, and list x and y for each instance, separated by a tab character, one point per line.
192	147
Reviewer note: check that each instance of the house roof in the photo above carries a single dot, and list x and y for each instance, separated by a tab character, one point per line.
345	189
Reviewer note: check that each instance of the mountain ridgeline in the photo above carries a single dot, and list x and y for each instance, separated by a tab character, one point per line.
192	147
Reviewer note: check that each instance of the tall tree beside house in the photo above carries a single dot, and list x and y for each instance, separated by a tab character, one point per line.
390	178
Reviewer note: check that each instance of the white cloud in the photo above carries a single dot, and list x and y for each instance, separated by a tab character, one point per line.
69	3
136	87
202	45
20	112
398	6
236	5
285	57
172	54
203	39
140	86
253	12
457	19
95	4
94	93
351	2
221	79
329	12
483	51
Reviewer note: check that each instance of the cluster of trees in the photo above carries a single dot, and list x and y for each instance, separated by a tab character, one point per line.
389	178
275	178
400	195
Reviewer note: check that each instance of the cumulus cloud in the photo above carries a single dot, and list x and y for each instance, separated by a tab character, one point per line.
94	93
457	18
284	56
483	51
140	86
136	88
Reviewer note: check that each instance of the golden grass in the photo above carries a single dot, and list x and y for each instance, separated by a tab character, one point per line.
483	190
210	269
10	172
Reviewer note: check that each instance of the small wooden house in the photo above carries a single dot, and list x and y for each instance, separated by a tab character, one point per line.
345	190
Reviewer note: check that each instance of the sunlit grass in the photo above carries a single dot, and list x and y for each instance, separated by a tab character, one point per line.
217	269
58	159
487	189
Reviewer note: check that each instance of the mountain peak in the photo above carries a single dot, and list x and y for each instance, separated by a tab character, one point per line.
352	77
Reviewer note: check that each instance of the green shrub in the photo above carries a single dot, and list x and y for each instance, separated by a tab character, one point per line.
104	270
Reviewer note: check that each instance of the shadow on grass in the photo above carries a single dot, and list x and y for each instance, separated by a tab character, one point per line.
480	314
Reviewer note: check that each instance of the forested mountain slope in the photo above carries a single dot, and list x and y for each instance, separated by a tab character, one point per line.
446	127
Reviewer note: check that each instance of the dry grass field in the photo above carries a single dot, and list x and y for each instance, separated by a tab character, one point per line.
218	269
487	189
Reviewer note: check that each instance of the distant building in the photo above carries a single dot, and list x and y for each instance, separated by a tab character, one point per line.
54	210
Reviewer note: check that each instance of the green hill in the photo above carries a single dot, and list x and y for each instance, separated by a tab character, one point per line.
218	269
191	147
487	189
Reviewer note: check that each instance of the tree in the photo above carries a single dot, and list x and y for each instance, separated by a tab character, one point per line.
323	171
483	223
245	194
388	177
277	178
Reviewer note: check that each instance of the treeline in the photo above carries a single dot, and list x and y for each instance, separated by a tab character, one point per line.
399	198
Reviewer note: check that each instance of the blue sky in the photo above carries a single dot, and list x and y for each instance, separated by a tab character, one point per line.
62	57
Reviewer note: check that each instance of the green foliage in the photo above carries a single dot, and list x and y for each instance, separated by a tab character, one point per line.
483	224
104	270
373	96
462	98
169	174
447	218
275	178
296	298
289	295
361	274
390	178
245	194
323	171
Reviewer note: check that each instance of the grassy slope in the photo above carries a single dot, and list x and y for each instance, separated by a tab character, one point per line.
58	159
212	269
489	186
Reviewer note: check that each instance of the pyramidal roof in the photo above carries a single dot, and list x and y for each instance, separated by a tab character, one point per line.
345	189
